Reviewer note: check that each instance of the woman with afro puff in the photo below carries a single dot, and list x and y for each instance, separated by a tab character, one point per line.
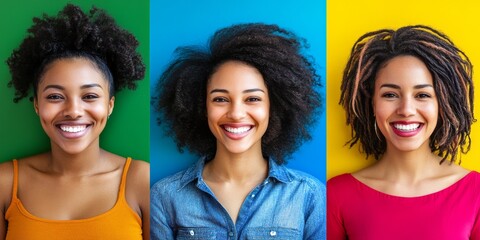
244	104
74	62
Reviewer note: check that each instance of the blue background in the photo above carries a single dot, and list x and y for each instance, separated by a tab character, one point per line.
183	22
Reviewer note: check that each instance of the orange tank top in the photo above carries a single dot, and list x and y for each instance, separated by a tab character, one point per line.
120	222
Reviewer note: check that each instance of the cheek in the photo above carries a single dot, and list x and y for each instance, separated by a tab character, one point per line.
99	110
431	111
47	112
261	115
213	116
382	110
212	113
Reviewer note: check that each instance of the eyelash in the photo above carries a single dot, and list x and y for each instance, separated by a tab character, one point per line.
254	99
220	99
389	95
90	97
249	99
423	95
55	97
420	95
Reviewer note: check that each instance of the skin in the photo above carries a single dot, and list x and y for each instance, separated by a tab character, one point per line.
237	97
404	98
62	184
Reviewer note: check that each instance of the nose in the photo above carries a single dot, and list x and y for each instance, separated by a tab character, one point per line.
406	107
236	111
73	109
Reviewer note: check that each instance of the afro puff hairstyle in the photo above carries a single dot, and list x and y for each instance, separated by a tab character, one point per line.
290	78
75	34
452	80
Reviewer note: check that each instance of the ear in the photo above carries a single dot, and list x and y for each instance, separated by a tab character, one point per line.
35	104
111	104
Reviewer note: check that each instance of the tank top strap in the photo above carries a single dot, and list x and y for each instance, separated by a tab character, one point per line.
15	179
123	181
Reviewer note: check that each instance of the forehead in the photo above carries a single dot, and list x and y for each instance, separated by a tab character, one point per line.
72	72
404	71
235	74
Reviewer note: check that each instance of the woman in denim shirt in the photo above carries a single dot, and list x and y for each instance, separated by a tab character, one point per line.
245	104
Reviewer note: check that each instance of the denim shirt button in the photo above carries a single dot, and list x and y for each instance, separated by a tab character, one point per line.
230	234
253	195
273	233
192	232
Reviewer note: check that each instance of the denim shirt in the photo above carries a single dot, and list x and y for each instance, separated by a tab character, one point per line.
288	204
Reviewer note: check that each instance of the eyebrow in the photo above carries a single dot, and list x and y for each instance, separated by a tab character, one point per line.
53	86
90	86
244	91
82	87
419	86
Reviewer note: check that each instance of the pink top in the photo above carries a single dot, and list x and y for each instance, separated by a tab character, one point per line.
356	211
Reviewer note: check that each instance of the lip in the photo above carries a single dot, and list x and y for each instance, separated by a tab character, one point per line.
236	131
73	130
406	129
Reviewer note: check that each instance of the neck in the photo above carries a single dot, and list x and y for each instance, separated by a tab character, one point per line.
409	166
239	167
82	163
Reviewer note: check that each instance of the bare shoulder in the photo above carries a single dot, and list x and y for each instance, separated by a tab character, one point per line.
138	186
367	173
6	170
6	176
451	172
458	170
139	170
138	179
6	183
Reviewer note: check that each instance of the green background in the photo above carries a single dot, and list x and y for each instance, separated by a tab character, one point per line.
127	132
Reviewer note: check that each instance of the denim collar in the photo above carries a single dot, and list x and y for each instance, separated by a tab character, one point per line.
278	172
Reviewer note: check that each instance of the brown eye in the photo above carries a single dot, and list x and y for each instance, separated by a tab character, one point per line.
423	95
54	97
90	97
220	99
254	99
389	95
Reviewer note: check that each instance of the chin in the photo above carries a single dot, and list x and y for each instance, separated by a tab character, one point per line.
237	149
410	147
72	149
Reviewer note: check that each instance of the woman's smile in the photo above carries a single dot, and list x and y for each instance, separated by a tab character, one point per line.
73	103
406	129
405	103
73	130
237	107
235	131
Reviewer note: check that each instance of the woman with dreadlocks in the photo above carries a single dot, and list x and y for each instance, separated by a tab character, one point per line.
74	62
244	105
419	93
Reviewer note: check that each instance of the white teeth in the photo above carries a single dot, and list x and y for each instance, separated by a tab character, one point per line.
237	130
406	127
73	129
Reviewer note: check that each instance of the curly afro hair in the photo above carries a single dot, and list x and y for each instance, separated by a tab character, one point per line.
75	34
452	79
290	78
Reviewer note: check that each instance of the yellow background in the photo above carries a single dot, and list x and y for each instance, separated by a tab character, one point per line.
348	20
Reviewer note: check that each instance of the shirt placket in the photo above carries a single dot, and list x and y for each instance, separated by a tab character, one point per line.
246	209
231	231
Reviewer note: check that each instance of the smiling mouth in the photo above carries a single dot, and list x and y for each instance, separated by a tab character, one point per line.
73	128
406	127
237	130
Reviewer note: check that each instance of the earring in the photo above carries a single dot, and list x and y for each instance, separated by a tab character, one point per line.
376	130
